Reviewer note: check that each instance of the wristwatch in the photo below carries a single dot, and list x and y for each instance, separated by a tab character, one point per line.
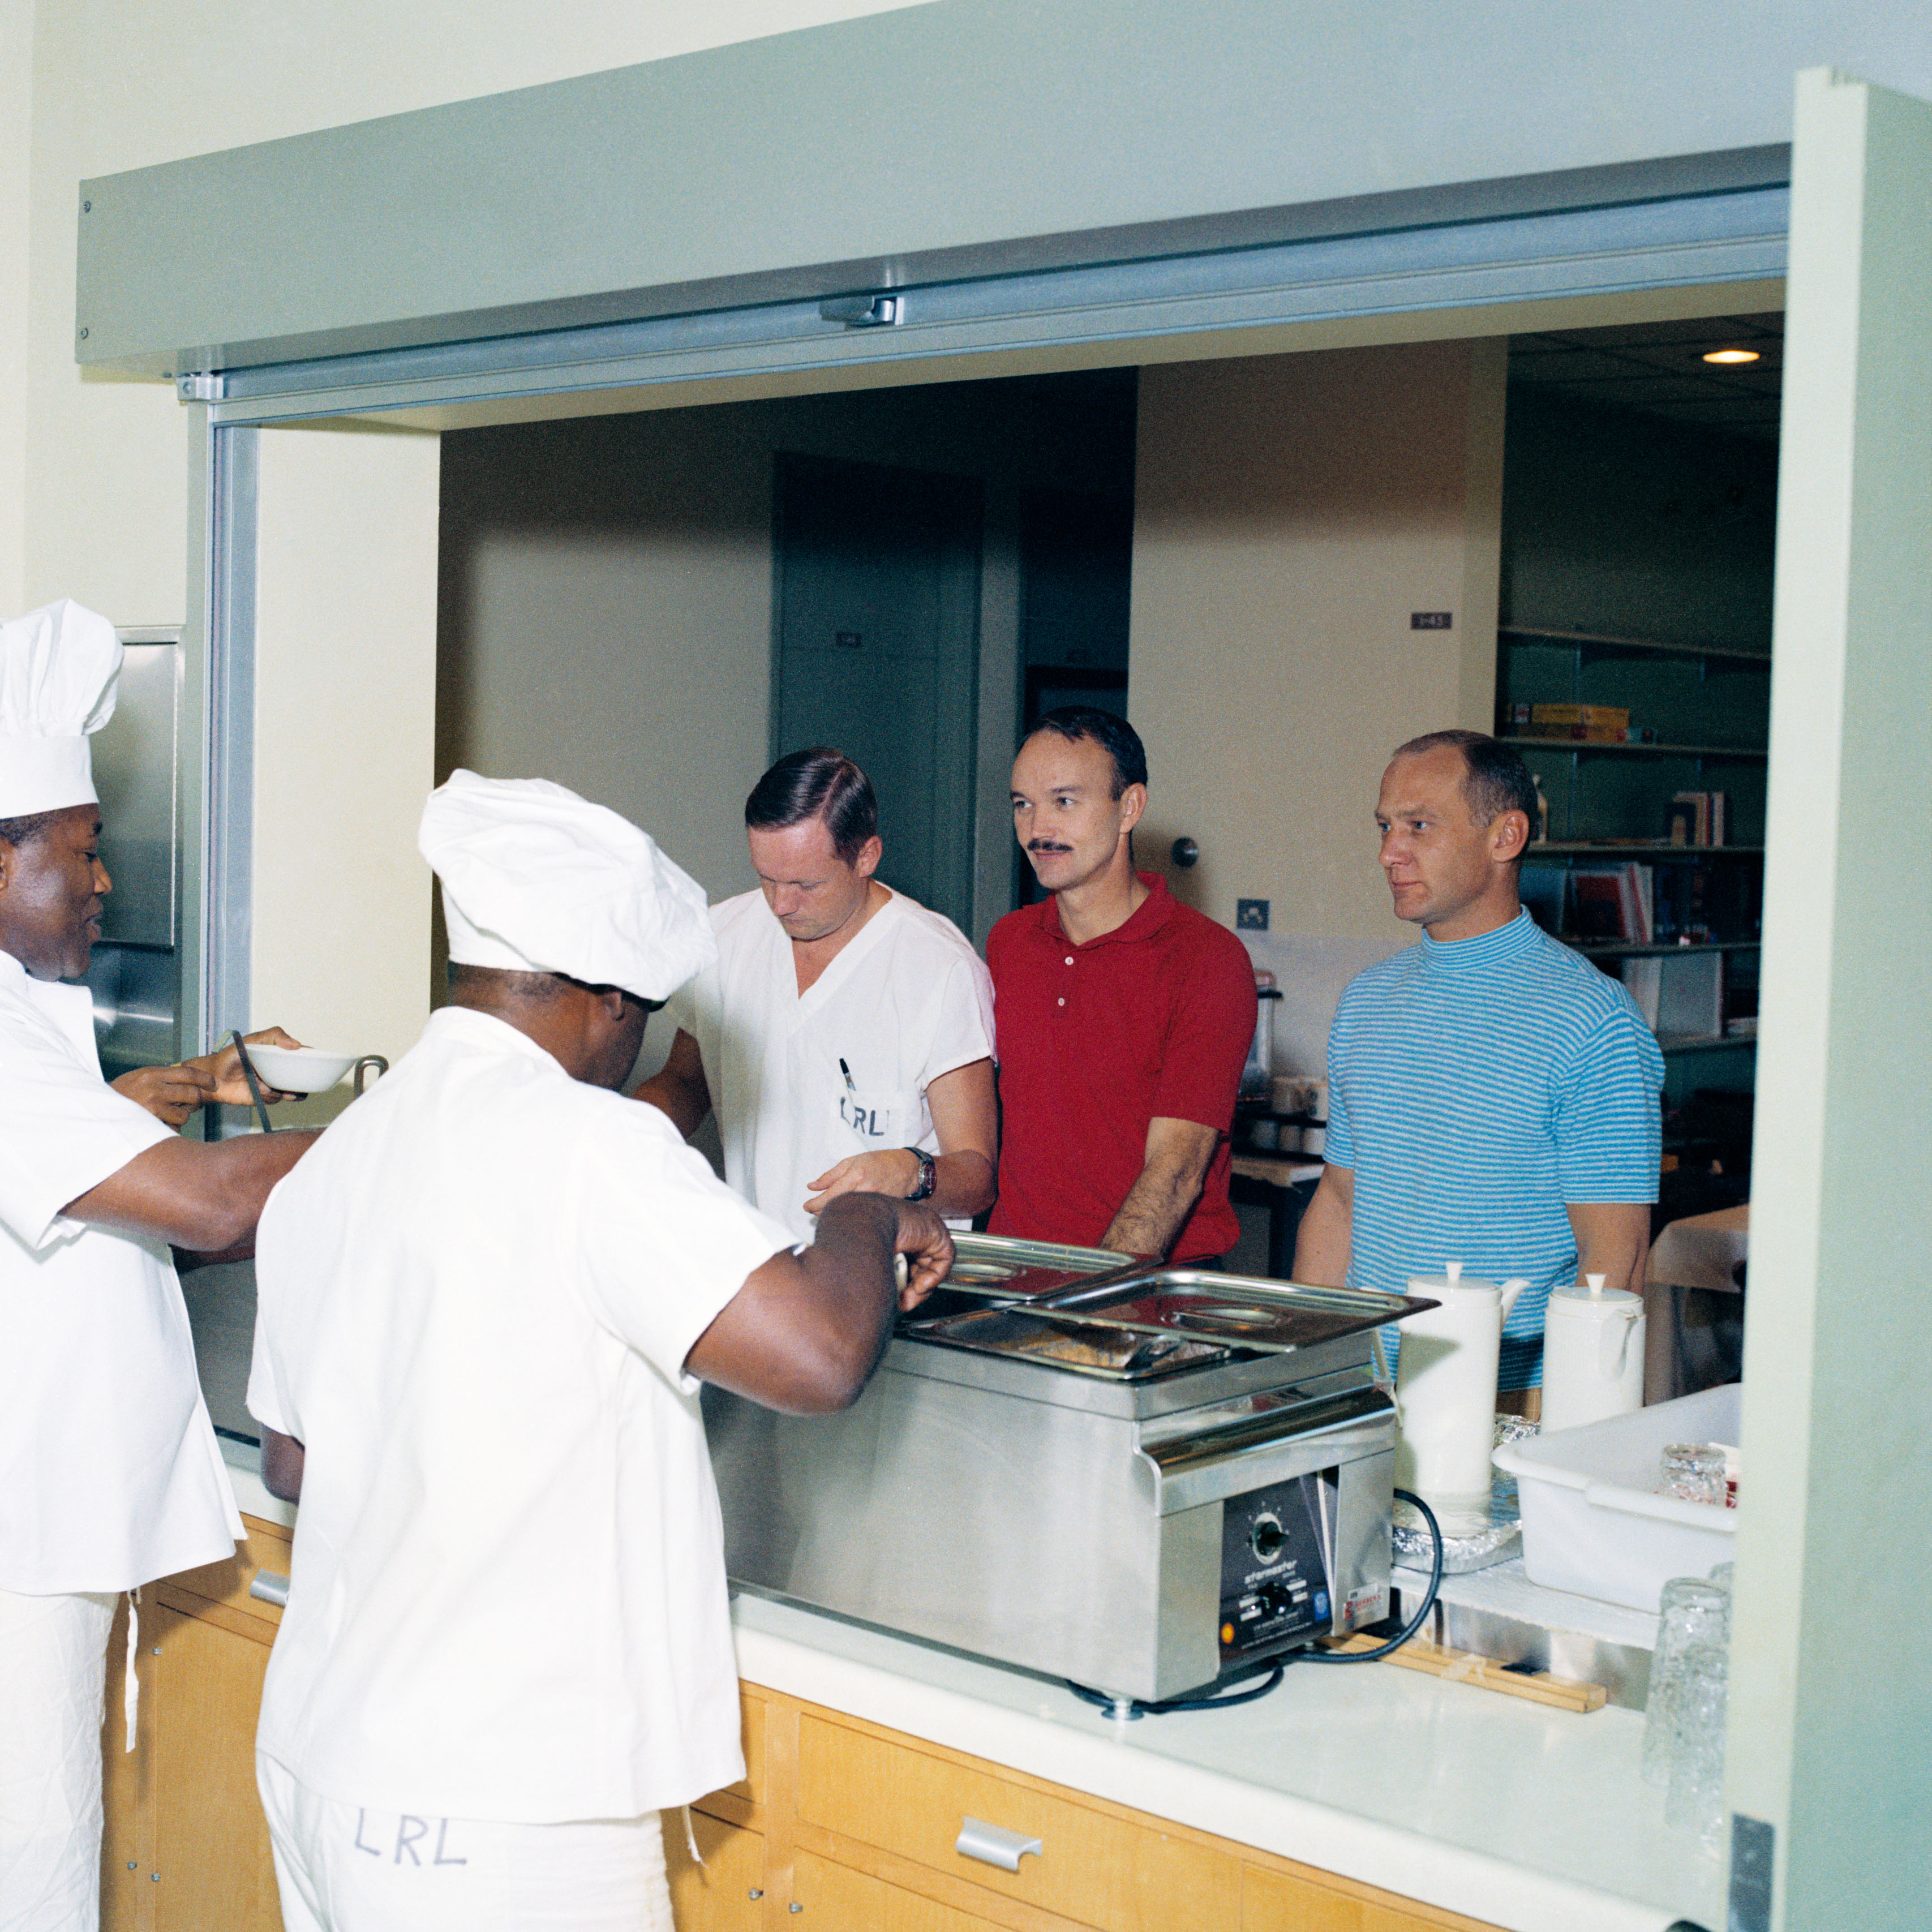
928	1174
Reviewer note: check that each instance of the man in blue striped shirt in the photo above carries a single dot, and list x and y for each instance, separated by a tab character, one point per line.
1493	1099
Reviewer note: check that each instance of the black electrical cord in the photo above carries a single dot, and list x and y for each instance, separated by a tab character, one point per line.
1135	1707
1414	1624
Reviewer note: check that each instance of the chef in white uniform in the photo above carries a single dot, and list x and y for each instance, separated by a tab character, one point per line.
486	1303
109	1473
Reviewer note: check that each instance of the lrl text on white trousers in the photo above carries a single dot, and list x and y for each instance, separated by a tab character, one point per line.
345	1868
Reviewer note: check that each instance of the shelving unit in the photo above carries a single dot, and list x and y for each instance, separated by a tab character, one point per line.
1655	751
1708	708
1608	949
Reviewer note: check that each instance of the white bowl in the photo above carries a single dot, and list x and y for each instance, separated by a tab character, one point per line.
299	1069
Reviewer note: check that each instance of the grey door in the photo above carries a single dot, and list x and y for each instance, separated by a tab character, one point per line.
877	622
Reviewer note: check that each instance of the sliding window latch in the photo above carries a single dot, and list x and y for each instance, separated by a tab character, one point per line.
863	311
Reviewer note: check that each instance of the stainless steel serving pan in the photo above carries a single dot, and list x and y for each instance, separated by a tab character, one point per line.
997	1267
1236	1311
1084	1348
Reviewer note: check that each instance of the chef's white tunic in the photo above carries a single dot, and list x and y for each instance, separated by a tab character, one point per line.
476	1295
799	1080
109	1472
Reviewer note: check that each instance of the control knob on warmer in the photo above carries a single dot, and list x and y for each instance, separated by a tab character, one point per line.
1266	1539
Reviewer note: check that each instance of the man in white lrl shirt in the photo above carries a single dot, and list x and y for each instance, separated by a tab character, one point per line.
484	1317
844	1036
110	1472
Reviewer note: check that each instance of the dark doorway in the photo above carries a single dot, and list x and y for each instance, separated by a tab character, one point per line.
877	621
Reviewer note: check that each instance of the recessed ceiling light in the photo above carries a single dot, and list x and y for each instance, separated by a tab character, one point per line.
1730	355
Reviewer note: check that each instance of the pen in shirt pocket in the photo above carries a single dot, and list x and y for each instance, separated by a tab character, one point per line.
847	1071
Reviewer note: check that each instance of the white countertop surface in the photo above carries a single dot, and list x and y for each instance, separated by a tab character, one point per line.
1529	1818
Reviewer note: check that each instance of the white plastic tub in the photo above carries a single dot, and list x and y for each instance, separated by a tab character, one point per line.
1592	1520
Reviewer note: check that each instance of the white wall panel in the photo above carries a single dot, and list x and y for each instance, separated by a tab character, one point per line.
1828	1732
345	722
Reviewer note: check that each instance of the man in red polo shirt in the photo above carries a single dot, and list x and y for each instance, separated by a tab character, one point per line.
1125	1017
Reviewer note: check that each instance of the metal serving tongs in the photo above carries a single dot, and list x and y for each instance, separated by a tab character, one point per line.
254	1085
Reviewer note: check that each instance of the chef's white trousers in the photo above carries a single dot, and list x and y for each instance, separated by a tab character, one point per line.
349	1868
53	1664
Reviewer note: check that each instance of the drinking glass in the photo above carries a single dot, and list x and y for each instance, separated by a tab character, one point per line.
1693	1472
1691	1612
1695	1799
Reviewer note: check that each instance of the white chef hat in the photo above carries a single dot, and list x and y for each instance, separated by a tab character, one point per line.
58	666
536	880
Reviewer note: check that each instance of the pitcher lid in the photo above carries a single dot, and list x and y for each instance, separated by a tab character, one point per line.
1451	1281
1581	1297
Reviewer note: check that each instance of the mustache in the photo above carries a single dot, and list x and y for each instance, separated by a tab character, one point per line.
1046	845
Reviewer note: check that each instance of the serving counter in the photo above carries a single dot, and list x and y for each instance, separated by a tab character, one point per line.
1353	1799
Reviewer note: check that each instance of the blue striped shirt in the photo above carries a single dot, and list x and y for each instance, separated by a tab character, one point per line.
1475	1086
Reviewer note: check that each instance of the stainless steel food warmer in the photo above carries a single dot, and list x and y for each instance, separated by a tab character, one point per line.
1140	1479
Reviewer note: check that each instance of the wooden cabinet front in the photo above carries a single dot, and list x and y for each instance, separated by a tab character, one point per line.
862	1826
1094	1867
212	1861
185	1847
725	1893
838	1824
835	1898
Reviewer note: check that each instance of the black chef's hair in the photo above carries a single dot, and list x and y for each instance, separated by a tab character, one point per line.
1114	734
1496	779
818	783
20	832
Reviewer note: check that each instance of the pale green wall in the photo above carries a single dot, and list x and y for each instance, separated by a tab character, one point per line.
1828	1730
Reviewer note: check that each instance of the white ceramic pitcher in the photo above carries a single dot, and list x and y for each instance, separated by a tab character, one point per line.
1446	1384
1592	1354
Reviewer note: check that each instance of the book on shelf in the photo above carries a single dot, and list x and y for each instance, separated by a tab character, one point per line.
1597	905
1697	818
1684	905
1681	996
1615	904
1575	724
1643	980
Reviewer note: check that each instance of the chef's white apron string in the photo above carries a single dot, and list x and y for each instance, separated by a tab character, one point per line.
130	1684
690	1839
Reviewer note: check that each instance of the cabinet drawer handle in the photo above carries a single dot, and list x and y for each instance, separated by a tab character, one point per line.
993	1846
269	1587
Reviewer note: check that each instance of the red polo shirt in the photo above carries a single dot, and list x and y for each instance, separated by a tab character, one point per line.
1153	1019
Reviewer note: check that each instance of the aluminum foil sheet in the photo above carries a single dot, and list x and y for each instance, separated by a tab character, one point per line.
1468	1542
